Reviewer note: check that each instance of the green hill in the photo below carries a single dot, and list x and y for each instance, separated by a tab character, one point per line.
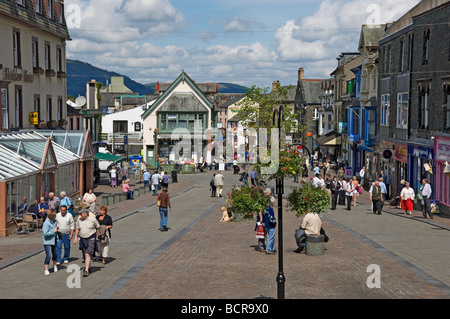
79	73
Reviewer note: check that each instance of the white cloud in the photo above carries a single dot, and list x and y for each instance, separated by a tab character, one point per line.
115	34
333	27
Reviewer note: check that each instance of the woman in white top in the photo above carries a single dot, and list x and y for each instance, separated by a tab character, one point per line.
90	200
349	191
407	197
362	172
113	175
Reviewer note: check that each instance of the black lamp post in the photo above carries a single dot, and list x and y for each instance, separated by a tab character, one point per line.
278	116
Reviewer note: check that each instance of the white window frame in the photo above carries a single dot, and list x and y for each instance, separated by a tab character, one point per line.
4	107
402	107
384	112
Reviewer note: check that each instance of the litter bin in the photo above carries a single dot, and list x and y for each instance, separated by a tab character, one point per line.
174	176
315	245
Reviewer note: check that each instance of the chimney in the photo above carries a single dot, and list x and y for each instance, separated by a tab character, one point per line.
301	74
274	85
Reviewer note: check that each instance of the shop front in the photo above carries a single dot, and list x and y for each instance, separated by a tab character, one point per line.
401	163
421	163
442	173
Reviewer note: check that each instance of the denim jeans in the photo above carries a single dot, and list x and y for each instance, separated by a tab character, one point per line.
155	192
270	246
163	212
66	242
50	253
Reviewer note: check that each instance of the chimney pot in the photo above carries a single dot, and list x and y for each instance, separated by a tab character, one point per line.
301	74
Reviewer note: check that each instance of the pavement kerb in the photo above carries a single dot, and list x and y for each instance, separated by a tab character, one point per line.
40	250
419	219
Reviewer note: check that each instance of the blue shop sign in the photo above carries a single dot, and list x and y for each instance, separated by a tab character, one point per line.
422	152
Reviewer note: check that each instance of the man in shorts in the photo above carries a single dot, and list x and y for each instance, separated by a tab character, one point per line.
87	229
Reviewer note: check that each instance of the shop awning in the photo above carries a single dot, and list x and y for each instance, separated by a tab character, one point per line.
334	142
108	157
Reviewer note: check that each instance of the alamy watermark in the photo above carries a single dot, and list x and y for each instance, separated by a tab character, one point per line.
374	279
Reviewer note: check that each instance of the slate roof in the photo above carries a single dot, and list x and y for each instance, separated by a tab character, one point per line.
182	77
370	34
28	15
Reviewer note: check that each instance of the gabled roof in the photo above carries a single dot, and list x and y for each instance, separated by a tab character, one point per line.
183	77
370	34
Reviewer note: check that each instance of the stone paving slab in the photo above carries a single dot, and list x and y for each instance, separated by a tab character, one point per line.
218	261
205	259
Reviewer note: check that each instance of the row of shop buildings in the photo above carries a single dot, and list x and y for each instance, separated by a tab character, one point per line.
391	102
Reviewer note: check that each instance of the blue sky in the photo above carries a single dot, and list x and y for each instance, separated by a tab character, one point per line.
247	42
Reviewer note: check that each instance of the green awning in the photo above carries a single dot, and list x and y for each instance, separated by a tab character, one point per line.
108	157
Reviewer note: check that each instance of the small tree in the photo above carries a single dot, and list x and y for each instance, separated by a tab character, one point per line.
256	109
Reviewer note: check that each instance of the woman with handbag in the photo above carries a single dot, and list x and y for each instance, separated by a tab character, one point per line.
163	203
356	186
49	236
104	237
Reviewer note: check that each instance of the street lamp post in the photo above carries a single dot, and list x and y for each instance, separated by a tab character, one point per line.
312	147
278	116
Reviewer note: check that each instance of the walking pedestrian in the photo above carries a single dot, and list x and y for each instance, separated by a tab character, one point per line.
65	200
104	233
270	224
334	189
49	234
244	178
164	207
425	191
355	191
362	173
212	184
407	196
53	202
383	188
123	173
376	196
218	181
65	230
349	192
146	178
113	176
341	191
165	180
155	182
86	228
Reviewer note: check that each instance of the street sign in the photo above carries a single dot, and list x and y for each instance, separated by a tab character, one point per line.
34	118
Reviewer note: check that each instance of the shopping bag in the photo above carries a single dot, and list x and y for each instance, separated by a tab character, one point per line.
260	231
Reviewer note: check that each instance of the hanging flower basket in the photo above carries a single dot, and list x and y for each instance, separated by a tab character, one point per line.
246	202
308	198
289	163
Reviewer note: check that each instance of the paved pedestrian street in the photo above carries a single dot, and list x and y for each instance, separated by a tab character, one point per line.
201	258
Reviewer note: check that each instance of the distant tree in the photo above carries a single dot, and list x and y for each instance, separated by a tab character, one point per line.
257	108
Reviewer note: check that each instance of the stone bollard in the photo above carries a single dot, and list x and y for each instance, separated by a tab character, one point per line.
137	192
315	245
105	200
117	198
111	198
123	196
